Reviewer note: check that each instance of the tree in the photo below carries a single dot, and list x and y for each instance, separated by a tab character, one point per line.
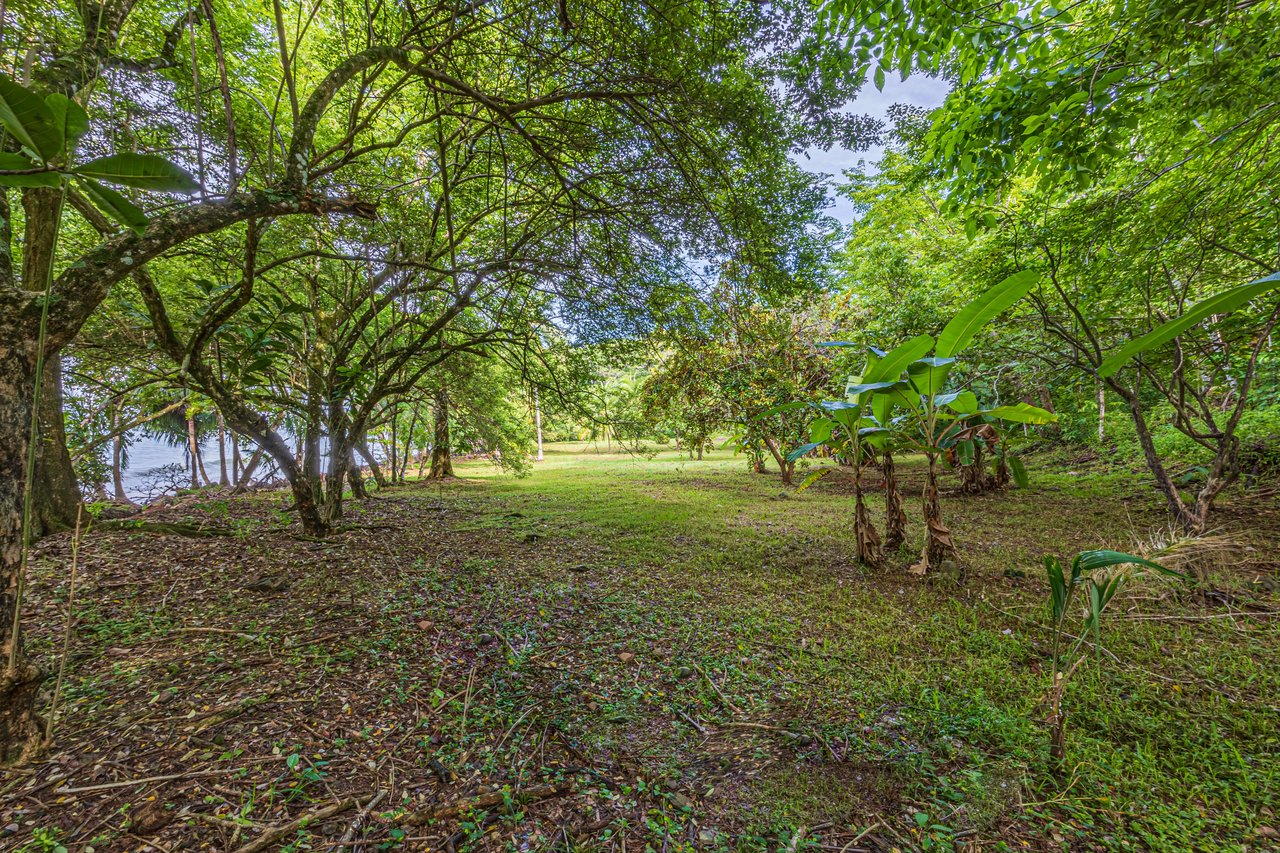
626	142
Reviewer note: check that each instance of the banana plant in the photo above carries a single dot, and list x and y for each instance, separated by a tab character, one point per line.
1095	577
857	428
932	420
994	429
38	153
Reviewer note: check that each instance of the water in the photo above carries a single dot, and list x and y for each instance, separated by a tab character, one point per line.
148	456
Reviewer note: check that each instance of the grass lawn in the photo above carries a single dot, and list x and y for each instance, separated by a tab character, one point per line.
619	652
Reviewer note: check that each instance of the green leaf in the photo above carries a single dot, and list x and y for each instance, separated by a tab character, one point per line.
889	366
1057	587
813	478
144	171
928	375
802	450
1087	561
114	205
855	393
25	115
1222	303
17	162
881	408
820	430
69	118
1022	413
963	402
903	394
1019	472
995	301
781	408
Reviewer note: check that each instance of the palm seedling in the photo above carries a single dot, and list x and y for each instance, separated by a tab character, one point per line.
1095	577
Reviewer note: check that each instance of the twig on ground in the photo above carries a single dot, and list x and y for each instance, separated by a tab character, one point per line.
281	830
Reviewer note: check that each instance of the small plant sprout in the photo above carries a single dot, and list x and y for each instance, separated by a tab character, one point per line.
1095	577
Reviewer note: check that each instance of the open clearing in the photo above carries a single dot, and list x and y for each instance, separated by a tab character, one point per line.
618	652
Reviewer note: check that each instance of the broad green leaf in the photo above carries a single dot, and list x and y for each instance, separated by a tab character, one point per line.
856	393
889	366
964	402
802	450
1222	303
1087	561
69	118
28	118
1018	471
114	205
1022	413
820	430
143	171
965	451
929	375
995	301
17	162
904	395
881	407
1057	587
813	477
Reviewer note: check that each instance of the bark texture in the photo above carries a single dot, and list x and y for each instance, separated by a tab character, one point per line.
441	460
895	515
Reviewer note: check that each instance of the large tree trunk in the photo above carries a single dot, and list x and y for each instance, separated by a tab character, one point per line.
56	492
340	455
895	516
19	679
441	460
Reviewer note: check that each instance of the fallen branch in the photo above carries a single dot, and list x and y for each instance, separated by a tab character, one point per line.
163	528
725	699
484	801
145	780
280	830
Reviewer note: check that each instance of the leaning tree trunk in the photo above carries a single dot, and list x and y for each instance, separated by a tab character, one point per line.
1192	519
786	467
372	461
19	678
938	547
441	461
895	516
355	476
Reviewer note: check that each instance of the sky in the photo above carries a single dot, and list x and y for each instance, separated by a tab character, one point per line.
918	91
